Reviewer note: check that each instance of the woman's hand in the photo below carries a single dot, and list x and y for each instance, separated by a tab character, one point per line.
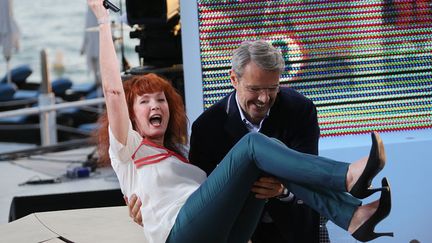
98	9
267	187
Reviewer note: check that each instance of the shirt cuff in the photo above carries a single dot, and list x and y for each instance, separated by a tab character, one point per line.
286	196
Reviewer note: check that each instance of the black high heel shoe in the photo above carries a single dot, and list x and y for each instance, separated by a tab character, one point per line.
366	231
375	164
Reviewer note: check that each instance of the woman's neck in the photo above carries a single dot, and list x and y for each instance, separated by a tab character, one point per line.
158	141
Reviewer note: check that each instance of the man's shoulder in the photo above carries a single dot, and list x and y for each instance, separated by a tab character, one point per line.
289	97
214	113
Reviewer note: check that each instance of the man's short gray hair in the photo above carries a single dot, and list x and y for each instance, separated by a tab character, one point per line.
262	53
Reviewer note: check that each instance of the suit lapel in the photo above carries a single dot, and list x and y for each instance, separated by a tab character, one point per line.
271	124
233	124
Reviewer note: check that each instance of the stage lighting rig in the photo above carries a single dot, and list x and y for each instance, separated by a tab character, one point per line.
158	31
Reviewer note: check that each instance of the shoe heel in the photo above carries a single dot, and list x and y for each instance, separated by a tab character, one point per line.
360	235
366	231
379	189
370	191
391	234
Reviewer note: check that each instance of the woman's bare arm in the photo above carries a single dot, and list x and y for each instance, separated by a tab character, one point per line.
112	85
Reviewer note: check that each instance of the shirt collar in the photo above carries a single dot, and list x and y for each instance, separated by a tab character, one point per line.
249	125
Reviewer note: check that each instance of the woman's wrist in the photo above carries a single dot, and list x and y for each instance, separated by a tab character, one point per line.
104	20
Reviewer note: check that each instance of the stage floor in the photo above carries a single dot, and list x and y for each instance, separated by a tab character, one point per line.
14	173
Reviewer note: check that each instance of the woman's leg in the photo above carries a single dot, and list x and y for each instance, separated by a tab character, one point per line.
318	181
338	207
275	158
247	220
319	177
210	213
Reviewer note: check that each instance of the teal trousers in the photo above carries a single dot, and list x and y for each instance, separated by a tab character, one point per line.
223	209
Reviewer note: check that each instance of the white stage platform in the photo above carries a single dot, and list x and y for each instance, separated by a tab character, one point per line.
108	225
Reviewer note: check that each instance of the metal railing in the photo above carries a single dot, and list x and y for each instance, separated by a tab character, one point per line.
47	115
48	108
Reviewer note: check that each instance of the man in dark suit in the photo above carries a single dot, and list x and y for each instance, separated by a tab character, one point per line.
258	104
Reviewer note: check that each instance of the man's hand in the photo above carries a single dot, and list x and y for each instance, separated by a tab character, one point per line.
267	187
134	205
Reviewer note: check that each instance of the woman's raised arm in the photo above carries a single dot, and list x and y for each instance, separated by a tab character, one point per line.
112	85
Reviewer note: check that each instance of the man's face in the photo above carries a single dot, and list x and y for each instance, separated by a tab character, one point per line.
256	91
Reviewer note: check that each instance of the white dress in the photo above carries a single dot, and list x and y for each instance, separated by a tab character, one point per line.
163	186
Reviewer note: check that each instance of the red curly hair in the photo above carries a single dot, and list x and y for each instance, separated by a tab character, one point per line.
176	133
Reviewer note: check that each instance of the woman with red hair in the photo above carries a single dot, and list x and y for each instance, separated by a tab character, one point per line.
144	131
176	134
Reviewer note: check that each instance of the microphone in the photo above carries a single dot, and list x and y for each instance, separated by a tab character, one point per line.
108	5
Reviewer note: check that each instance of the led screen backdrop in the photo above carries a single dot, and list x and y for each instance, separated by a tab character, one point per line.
365	64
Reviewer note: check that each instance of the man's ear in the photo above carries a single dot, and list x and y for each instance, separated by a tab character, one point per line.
233	78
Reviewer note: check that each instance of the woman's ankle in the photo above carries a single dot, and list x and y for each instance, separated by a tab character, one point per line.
355	170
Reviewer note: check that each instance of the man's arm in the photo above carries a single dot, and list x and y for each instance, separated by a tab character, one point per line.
199	151
307	136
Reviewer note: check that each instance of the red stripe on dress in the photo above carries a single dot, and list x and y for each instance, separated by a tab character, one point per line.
156	158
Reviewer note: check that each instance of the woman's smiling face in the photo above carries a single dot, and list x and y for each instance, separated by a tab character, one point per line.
152	116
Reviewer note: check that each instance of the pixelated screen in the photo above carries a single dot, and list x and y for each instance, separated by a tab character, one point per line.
365	64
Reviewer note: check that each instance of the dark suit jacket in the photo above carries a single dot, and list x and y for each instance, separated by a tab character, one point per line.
293	120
